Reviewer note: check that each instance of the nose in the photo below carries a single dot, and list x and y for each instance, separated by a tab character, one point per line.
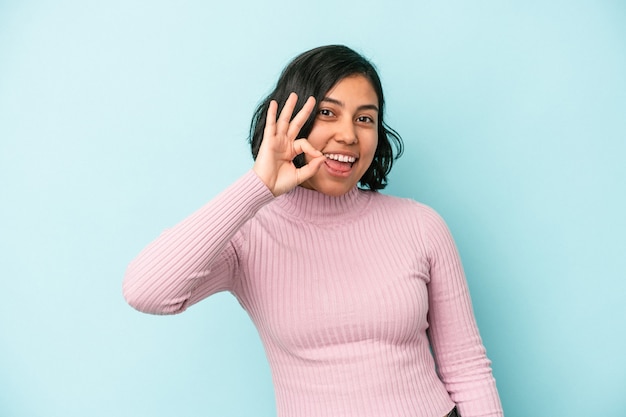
346	132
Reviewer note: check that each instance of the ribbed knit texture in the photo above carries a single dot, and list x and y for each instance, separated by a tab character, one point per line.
342	291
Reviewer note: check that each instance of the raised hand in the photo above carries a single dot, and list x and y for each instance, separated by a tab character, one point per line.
274	162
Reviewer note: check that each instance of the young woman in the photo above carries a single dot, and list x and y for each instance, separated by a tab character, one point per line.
349	289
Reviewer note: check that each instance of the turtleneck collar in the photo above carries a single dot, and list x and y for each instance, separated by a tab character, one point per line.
313	206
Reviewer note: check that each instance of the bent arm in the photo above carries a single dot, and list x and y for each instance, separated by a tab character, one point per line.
196	258
461	358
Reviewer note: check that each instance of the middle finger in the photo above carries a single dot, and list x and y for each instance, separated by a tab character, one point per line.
300	119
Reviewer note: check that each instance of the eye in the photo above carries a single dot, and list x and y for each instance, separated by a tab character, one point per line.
365	119
326	112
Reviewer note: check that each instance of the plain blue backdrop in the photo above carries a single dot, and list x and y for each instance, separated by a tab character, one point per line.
119	118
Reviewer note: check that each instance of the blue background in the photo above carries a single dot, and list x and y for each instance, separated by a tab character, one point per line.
119	118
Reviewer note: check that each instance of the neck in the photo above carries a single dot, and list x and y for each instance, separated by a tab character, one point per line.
309	205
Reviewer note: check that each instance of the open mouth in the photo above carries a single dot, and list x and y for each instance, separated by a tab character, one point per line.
339	163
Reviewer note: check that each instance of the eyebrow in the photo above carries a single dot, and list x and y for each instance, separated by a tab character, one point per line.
340	104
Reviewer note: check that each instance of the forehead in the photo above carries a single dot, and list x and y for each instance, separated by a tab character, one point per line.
354	87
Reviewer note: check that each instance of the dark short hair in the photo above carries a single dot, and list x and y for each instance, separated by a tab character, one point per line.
314	73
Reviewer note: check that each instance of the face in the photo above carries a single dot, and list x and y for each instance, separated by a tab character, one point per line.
346	132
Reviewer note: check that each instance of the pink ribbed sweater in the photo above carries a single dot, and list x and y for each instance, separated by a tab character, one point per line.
341	290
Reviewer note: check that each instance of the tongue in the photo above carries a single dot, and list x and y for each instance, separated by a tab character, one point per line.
339	166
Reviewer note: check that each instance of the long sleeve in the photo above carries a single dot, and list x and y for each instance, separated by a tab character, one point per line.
196	258
461	357
342	291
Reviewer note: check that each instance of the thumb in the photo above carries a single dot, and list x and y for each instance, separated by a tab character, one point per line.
308	170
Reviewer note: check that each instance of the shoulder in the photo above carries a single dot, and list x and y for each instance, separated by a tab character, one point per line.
424	219
403	205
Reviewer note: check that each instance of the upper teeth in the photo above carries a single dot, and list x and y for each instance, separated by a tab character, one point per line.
340	158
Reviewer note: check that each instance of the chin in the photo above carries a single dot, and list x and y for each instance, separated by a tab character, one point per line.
333	190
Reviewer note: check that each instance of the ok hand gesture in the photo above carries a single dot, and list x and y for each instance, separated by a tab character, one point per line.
274	162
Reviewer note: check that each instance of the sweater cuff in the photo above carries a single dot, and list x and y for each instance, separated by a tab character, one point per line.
256	192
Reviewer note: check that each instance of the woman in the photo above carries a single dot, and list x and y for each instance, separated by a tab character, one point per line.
348	288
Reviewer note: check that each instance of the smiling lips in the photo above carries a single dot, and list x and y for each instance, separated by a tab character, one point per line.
339	164
340	158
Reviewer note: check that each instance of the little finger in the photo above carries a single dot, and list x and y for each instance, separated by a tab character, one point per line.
270	119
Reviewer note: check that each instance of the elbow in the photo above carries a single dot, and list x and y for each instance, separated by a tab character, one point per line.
136	301
150	299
